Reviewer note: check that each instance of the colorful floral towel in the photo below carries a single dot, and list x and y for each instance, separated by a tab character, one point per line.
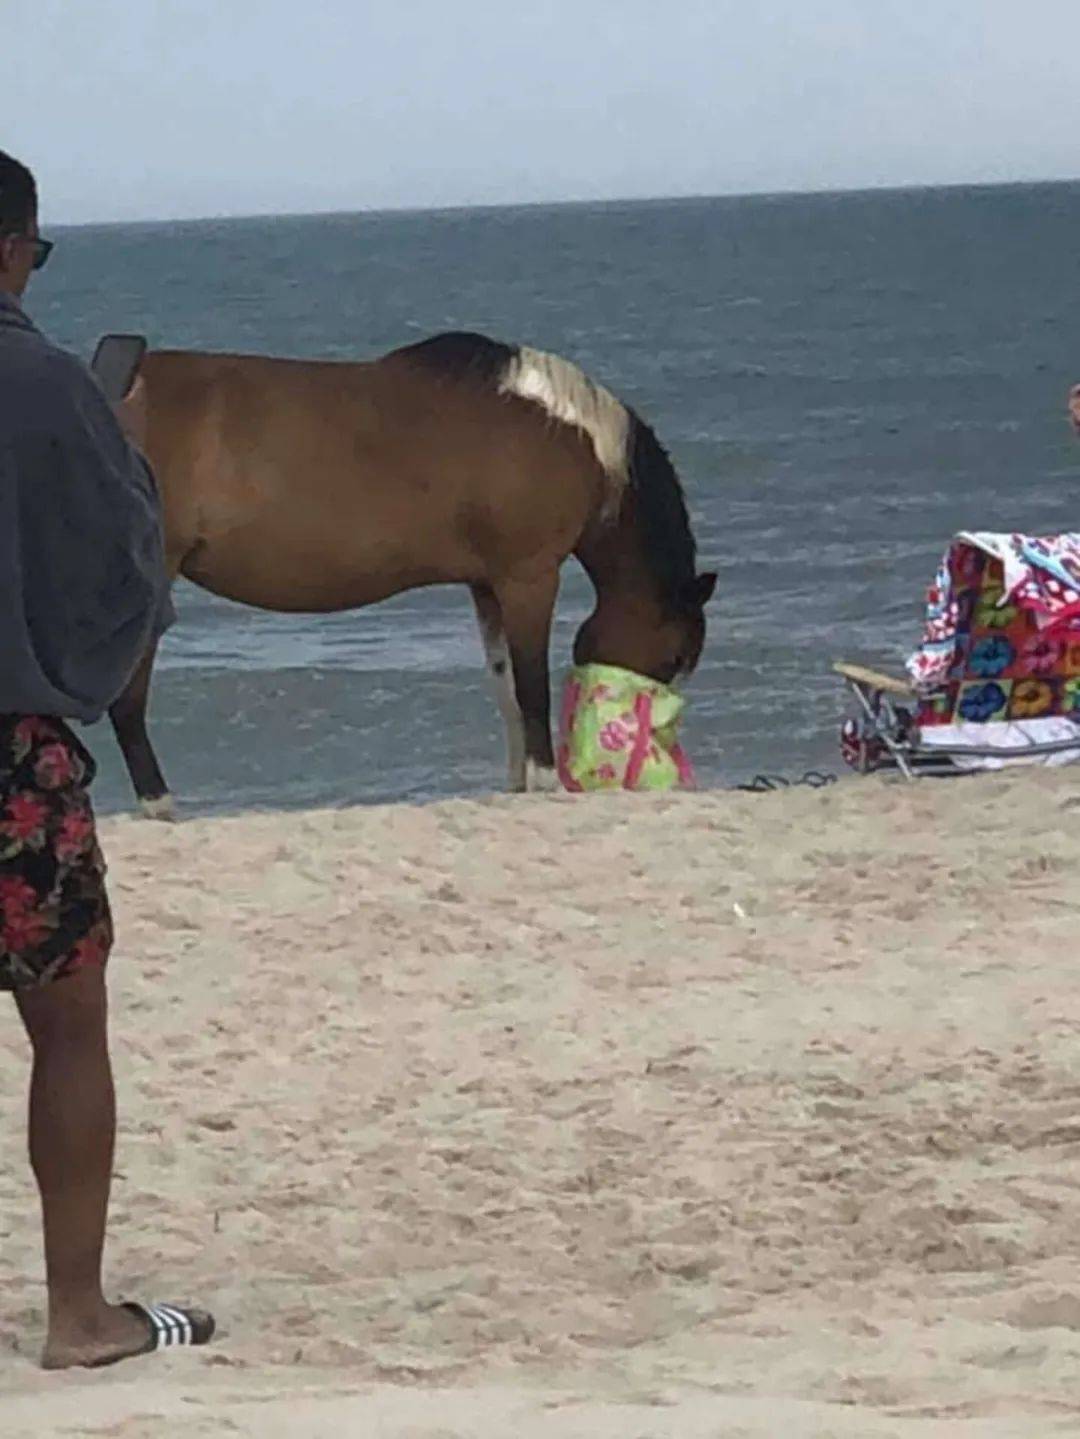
618	732
1002	633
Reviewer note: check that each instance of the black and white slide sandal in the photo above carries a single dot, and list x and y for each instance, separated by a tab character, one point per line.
172	1327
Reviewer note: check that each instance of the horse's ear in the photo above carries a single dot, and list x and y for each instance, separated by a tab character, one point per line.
704	586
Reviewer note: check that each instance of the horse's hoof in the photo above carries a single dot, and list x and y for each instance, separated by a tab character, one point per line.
539	779
163	808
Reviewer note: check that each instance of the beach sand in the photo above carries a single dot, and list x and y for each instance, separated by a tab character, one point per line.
715	1115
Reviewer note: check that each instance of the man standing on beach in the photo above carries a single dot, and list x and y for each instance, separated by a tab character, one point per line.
82	590
1074	407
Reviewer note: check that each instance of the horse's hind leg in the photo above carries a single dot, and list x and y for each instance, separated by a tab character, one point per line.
128	716
527	607
497	653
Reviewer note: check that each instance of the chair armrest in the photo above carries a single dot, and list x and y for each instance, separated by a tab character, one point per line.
874	680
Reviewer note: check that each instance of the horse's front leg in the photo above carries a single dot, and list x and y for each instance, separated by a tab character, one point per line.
527	607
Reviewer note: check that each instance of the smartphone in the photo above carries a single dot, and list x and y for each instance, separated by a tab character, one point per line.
116	363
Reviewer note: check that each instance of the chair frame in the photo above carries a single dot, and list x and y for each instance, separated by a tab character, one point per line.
877	695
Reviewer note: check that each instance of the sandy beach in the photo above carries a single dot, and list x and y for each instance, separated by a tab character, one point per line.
716	1115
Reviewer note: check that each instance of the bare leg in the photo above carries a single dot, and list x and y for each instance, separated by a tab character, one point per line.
497	652
128	716
72	1131
527	610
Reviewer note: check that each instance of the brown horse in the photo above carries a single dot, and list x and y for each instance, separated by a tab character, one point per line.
317	486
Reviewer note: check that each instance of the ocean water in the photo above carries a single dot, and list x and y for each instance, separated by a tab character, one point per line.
843	382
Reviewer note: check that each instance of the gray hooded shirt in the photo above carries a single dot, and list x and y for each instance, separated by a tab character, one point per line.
83	585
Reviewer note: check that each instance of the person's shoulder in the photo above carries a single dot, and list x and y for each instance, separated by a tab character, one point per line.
65	371
41	378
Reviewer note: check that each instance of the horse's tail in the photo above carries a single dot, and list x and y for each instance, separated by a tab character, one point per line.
571	397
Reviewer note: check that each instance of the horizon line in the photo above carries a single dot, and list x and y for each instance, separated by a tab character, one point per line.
573	203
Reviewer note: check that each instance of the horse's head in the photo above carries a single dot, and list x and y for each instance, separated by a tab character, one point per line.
663	642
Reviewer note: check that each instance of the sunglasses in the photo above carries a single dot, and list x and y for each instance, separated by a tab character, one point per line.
42	248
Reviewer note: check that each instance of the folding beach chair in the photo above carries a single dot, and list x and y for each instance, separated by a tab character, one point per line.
996	680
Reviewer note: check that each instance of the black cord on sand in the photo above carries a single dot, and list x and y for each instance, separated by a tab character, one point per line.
766	783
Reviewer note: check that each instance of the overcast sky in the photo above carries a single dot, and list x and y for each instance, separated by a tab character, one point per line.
161	108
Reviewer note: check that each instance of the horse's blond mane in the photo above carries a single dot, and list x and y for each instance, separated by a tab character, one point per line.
630	456
568	395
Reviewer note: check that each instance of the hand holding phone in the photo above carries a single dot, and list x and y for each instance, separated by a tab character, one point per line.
131	412
116	364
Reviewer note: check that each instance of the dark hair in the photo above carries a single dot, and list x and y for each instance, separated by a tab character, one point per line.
18	196
662	514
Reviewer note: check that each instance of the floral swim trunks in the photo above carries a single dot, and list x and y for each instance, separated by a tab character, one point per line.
54	912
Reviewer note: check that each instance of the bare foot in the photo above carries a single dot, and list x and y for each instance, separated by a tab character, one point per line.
120	1332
